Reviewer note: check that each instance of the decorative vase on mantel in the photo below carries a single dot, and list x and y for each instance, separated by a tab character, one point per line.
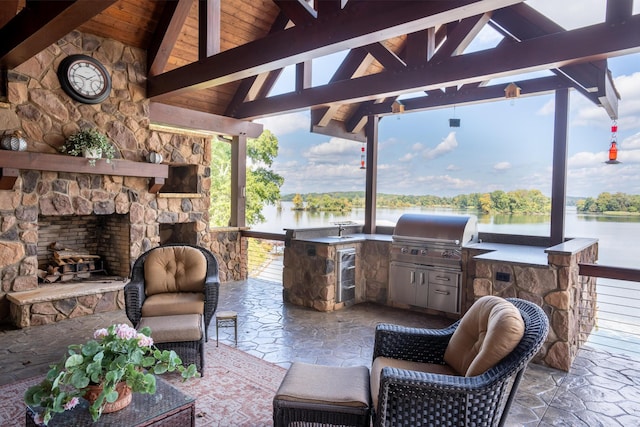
124	397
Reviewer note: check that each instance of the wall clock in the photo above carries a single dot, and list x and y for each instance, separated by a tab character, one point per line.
84	79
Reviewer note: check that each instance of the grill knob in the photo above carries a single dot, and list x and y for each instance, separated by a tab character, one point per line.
423	252
403	250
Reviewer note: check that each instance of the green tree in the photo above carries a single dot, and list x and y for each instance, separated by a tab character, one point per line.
263	184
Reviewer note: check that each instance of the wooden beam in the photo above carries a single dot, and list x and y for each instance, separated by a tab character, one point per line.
196	120
238	181
608	96
552	51
335	128
371	185
618	11
8	10
167	32
42	23
389	60
609	272
303	75
460	35
208	28
360	24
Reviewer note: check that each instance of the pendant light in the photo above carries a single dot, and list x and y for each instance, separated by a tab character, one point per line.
613	148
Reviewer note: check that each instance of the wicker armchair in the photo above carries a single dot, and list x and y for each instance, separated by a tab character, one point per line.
413	398
204	301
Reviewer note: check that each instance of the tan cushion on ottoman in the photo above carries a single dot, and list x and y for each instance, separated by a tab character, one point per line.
340	386
179	328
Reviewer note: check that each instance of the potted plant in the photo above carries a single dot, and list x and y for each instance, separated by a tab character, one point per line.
117	356
89	143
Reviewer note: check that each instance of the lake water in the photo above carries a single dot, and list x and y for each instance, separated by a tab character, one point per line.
618	237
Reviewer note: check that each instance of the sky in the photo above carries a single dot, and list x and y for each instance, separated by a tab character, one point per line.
504	145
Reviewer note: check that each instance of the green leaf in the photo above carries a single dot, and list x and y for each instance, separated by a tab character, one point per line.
73	360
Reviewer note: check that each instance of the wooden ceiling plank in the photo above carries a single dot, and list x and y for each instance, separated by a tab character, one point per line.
580	45
417	46
166	35
168	115
8	10
360	24
42	23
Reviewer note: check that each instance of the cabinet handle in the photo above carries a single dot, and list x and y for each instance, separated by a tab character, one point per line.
413	277
422	281
443	278
438	291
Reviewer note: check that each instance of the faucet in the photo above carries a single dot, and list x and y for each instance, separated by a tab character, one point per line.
340	230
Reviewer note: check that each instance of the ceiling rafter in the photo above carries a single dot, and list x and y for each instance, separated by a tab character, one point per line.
358	24
552	51
173	17
41	24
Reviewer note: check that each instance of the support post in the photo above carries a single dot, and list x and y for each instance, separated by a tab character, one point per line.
238	181
371	185
559	174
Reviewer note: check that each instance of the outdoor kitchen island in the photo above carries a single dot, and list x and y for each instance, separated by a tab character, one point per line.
504	265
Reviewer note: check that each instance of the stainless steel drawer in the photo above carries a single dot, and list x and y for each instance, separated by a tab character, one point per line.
444	278
443	298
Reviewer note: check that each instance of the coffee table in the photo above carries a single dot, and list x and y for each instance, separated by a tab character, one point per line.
168	407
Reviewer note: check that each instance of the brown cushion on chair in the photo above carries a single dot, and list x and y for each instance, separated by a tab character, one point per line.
342	386
174	269
181	328
489	331
173	303
383	362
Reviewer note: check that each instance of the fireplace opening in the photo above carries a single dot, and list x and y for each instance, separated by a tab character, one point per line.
63	240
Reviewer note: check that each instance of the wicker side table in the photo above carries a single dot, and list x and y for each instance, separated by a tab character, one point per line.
326	395
167	407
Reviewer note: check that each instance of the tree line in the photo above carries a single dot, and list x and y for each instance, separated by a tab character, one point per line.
607	202
511	202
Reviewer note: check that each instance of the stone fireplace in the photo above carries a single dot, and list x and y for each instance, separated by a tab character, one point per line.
117	215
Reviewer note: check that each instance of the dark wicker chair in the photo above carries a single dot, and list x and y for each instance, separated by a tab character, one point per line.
411	398
134	293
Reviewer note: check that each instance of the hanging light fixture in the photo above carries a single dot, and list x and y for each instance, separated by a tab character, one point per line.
454	122
613	148
362	164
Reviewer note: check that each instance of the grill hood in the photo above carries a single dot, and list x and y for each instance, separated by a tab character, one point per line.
455	230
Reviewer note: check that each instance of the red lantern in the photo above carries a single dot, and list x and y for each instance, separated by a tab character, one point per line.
613	149
362	166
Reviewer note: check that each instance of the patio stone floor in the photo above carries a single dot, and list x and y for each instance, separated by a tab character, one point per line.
601	389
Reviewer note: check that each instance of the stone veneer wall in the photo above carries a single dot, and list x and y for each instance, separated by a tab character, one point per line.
567	298
46	115
309	275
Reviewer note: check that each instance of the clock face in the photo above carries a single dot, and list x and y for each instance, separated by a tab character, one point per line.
84	79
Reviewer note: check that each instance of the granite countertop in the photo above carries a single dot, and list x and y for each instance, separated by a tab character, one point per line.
346	239
521	254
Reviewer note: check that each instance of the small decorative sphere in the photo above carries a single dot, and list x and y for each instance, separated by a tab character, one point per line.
155	157
14	142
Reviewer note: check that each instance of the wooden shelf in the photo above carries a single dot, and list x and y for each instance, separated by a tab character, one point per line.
12	161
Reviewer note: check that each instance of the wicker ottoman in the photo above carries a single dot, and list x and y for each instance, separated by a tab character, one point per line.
182	333
323	394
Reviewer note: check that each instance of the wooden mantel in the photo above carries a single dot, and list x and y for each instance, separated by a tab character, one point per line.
12	161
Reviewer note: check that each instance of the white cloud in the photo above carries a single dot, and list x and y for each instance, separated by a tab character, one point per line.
335	151
446	146
452	167
286	123
630	143
407	157
502	166
547	109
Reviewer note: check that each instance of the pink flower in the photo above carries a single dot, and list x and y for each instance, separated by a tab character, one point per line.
144	341
100	333
71	404
126	332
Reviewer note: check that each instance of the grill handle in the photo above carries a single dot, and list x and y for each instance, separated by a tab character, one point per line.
438	291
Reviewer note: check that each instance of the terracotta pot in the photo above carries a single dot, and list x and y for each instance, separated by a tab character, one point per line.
124	397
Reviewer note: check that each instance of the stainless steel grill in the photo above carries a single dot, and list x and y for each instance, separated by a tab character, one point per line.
426	259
